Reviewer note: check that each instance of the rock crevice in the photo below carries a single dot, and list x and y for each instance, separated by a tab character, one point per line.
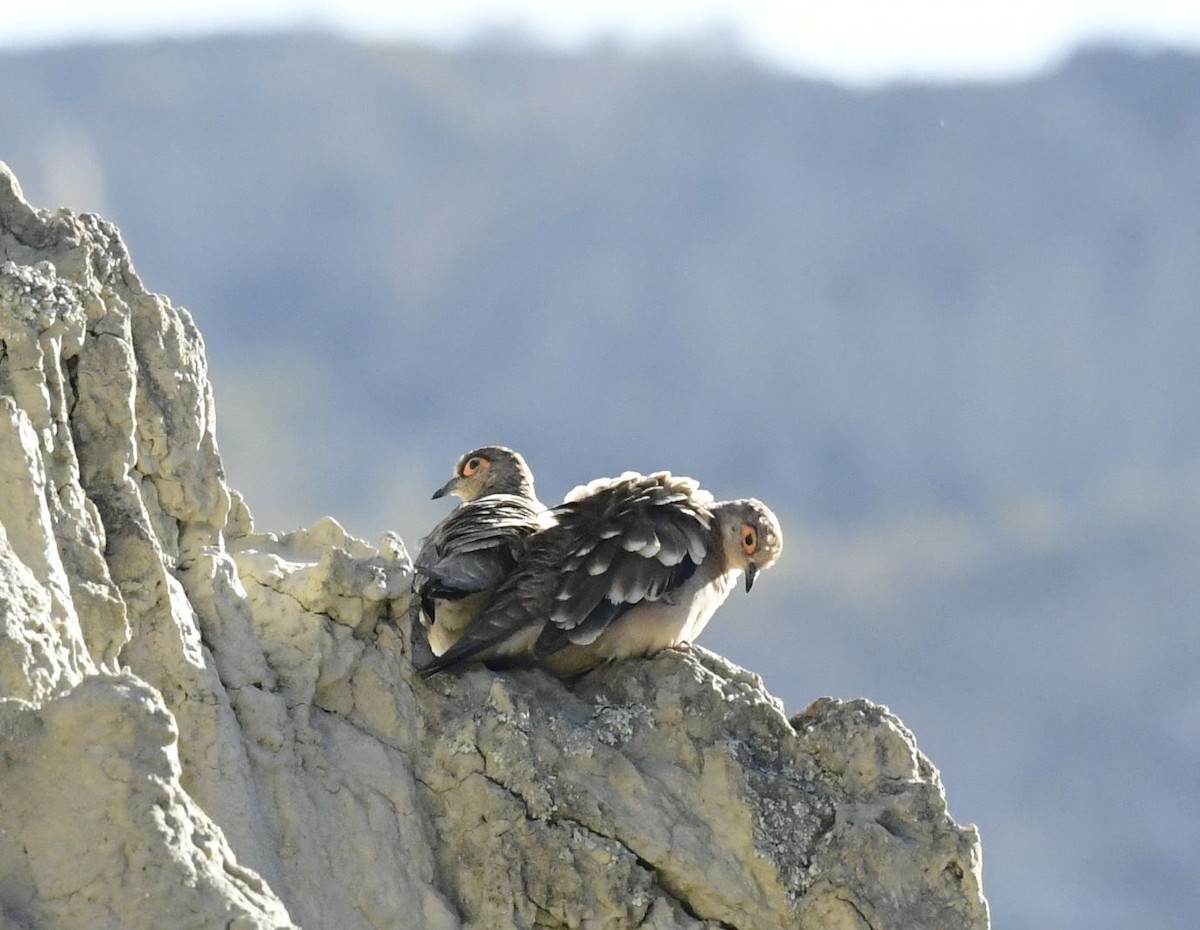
204	725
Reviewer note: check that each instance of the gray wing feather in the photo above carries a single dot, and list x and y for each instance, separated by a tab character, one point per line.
652	534
475	547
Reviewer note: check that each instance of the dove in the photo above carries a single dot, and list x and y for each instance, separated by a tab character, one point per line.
629	566
476	546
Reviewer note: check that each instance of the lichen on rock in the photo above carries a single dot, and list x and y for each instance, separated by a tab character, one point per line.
206	725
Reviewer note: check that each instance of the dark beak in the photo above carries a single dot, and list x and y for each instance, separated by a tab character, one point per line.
445	488
751	574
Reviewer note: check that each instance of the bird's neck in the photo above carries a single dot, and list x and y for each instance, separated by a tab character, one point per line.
517	485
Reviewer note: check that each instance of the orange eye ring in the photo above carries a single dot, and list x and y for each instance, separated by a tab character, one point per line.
749	539
474	465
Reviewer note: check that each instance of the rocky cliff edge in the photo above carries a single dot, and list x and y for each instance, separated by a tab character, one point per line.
206	726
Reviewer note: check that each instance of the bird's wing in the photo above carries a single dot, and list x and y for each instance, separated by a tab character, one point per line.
637	540
512	609
475	547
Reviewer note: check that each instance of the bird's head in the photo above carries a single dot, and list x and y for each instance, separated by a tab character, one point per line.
750	536
489	470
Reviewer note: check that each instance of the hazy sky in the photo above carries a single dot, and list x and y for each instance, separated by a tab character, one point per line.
856	40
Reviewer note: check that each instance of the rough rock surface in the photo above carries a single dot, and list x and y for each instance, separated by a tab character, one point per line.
201	725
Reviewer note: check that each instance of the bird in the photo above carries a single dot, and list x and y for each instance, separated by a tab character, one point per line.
627	566
466	555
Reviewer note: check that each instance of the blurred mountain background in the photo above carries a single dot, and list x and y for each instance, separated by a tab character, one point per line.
950	333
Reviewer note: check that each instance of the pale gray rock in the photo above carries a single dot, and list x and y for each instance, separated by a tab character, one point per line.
204	725
98	831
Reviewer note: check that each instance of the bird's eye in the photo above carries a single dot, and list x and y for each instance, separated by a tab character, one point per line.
475	463
749	539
